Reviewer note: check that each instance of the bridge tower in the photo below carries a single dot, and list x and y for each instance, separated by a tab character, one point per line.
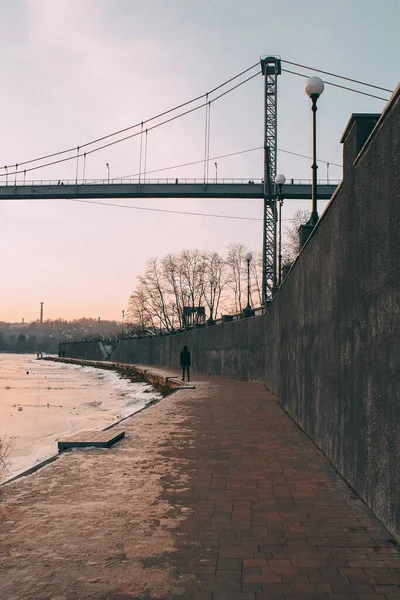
271	68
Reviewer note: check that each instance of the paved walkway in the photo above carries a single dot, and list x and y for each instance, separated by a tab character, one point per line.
214	494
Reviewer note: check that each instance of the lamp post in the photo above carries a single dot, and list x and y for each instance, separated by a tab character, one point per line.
248	311
122	326
108	172
90	333
212	287
173	306
82	333
314	88
99	326
279	181
216	172
74	335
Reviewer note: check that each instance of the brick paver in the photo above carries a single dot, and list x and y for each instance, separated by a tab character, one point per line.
270	518
262	514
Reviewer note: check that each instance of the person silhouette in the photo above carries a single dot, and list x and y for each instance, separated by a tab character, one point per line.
185	362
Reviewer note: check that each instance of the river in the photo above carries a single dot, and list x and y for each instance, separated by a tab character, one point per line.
41	400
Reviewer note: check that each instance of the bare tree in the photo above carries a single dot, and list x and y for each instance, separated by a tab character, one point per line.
216	268
173	278
291	240
194	265
235	262
256	267
183	280
149	303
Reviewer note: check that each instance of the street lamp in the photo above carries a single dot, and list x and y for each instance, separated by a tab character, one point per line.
74	335
248	311
314	88
279	181
108	175
82	333
212	286
90	333
216	172
122	328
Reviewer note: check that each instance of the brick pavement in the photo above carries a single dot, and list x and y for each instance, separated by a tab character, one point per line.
262	514
270	518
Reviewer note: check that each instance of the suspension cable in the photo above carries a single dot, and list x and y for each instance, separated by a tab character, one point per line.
84	166
199	106
145	159
166	210
205	140
343	87
196	162
208	138
158	116
141	149
377	87
77	165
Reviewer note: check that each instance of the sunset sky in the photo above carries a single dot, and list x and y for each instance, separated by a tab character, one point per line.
75	70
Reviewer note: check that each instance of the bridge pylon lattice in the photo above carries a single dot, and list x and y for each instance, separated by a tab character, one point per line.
271	68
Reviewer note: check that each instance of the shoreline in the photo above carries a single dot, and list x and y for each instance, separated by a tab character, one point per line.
165	385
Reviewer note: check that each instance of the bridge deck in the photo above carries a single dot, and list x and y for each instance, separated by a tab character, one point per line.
46	191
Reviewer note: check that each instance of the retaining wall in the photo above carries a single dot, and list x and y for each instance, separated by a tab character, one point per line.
231	349
87	350
333	333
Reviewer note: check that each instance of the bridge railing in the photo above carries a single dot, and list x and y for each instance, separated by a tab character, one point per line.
4	181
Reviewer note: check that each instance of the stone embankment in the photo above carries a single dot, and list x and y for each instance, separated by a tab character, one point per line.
165	383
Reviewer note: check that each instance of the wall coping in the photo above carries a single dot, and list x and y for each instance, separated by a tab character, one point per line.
388	107
353	119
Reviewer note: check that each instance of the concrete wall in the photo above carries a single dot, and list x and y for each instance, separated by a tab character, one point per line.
328	347
231	349
333	333
87	350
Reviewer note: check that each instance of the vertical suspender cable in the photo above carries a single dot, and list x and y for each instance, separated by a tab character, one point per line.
205	138
208	137
141	150
145	159
77	166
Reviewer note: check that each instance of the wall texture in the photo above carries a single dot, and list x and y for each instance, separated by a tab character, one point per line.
333	333
232	349
328	346
87	350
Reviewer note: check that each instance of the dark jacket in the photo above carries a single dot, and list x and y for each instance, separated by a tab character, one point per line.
185	358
